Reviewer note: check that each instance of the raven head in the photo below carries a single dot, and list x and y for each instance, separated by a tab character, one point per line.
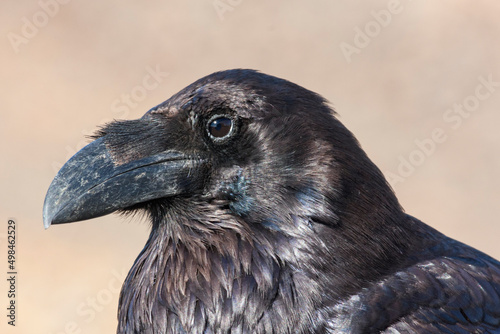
243	140
252	170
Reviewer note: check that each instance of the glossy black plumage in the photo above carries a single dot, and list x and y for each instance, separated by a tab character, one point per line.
268	217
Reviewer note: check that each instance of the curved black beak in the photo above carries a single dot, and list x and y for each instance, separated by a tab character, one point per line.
91	184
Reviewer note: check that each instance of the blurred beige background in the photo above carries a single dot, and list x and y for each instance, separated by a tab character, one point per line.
392	69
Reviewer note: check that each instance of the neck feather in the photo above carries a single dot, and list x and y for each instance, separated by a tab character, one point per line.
196	276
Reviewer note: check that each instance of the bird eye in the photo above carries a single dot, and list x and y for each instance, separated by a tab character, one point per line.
220	127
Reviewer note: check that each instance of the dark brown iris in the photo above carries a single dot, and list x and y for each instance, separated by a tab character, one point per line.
220	127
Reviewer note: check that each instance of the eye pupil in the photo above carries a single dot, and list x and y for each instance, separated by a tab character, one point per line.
220	127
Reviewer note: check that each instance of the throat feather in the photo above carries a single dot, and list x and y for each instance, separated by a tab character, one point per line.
206	283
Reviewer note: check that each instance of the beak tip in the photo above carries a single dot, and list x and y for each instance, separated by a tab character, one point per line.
47	218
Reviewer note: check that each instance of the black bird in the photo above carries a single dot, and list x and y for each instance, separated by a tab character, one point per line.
267	217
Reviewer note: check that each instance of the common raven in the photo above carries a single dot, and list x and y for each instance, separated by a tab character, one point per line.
267	217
